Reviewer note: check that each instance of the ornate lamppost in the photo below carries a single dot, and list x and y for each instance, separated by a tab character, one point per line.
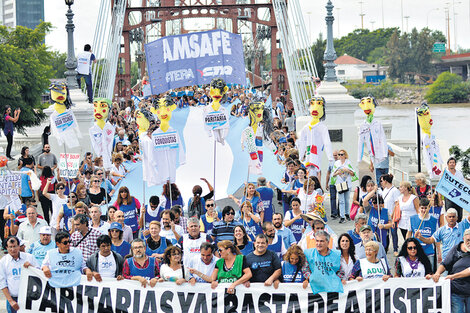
330	53
71	62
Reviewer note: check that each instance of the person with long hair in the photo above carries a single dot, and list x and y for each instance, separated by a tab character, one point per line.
307	195
172	268
131	208
360	192
409	205
171	191
8	127
242	241
250	194
118	244
293	265
24	155
293	219
118	171
348	255
82	194
231	267
196	205
250	220
46	204
412	261
96	193
343	172
390	194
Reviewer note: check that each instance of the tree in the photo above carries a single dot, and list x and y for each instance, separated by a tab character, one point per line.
58	64
24	72
448	88
461	156
318	49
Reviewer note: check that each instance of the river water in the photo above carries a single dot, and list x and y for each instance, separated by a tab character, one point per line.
451	122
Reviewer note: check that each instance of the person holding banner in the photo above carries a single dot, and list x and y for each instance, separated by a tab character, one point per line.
140	267
370	267
412	261
292	266
451	164
104	262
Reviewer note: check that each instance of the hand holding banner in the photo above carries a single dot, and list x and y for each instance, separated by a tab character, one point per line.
454	189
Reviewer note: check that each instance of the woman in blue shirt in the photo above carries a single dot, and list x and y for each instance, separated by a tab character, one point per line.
242	241
293	266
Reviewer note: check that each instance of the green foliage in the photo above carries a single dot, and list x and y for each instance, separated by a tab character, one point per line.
377	56
24	72
361	42
448	88
134	73
318	49
463	157
384	90
58	64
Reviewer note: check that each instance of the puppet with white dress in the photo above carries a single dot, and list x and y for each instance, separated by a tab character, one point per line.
431	152
146	122
216	117
102	132
64	126
168	149
314	138
371	134
260	128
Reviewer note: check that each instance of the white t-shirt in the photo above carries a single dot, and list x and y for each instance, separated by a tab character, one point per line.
168	234
56	207
166	272
390	195
106	265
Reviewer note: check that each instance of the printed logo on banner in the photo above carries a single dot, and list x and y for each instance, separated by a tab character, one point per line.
454	193
168	140
10	184
215	119
451	187
64	121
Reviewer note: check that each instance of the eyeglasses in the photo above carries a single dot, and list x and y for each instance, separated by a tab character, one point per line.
412	248
210	205
99	173
96	181
65	242
72	197
122	191
61	188
139	247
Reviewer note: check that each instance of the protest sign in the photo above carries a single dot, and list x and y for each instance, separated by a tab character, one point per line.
10	184
194	59
69	169
215	120
454	189
373	295
64	121
168	140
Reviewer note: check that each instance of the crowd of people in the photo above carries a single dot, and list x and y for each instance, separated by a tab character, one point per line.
247	242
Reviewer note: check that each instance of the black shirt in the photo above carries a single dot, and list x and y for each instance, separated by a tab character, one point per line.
263	266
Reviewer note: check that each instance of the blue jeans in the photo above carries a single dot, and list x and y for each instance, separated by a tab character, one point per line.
379	172
9	308
334	209
89	85
460	304
343	203
394	234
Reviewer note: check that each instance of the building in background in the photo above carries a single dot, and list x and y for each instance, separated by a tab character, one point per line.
350	68
28	13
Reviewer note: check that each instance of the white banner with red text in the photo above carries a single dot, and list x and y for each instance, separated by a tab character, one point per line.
395	295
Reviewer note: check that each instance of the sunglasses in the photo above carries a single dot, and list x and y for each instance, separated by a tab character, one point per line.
99	173
72	197
340	154
96	181
210	205
230	213
123	191
61	188
412	248
65	242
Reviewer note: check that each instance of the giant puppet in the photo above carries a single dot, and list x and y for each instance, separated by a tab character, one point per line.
64	126
261	127
371	133
102	132
168	149
432	154
146	122
216	117
314	138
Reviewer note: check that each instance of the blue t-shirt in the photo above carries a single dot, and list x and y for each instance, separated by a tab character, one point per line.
266	195
65	268
450	236
288	272
25	190
39	250
428	228
124	249
382	234
323	270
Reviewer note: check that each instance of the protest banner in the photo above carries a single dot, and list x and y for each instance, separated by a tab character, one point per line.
168	140
10	184
194	59
454	189
374	295
69	169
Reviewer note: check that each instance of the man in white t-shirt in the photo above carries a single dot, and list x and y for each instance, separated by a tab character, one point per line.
84	60
201	268
104	262
170	230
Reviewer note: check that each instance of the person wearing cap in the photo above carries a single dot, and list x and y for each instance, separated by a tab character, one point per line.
118	244
308	240
39	248
324	264
29	229
104	262
127	230
367	235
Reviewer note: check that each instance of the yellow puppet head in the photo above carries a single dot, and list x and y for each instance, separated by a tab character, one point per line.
368	105
424	118
217	92
61	96
164	108
144	118
101	107
317	109
256	111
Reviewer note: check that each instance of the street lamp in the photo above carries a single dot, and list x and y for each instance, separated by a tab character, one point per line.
71	62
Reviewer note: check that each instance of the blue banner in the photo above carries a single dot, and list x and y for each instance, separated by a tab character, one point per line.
454	189
194	59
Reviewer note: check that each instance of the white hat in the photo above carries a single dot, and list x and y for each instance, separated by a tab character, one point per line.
22	242
45	230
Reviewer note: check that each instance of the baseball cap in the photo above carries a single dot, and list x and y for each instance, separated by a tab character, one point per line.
115	225
365	227
45	230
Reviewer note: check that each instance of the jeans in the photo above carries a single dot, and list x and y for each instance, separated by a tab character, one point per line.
394	234
460	303
9	308
343	203
89	85
334	209
379	172
9	144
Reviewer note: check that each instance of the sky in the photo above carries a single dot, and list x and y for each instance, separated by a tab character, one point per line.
420	13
